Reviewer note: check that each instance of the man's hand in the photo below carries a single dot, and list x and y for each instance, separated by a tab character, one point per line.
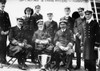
4	33
44	41
37	41
21	44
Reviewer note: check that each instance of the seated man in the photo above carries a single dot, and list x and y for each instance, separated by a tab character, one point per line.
63	40
18	46
42	40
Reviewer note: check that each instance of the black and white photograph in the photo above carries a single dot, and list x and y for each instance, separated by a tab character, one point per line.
49	35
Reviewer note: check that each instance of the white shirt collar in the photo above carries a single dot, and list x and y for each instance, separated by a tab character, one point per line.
19	27
89	20
81	17
50	20
37	13
63	30
1	10
66	16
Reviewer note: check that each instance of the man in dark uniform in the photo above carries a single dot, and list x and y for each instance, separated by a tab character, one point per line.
37	16
78	34
69	19
91	28
51	26
4	30
18	46
64	42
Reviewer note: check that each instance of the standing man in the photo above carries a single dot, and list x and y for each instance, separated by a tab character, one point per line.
28	27
51	26
28	24
4	30
67	17
37	16
91	28
78	32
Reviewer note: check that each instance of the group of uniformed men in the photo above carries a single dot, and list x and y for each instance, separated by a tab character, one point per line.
33	35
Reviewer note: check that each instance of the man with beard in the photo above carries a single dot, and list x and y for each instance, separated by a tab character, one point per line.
42	40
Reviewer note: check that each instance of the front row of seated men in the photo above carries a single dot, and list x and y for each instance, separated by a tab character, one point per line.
18	44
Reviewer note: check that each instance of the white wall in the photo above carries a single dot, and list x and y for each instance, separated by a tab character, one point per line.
15	8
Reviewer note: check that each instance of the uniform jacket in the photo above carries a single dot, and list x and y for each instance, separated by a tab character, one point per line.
4	24
16	34
41	35
37	17
28	27
89	38
63	37
51	27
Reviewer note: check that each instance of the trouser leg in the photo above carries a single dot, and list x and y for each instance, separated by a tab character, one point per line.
78	54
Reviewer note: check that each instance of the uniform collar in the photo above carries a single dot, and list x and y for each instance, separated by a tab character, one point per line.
1	10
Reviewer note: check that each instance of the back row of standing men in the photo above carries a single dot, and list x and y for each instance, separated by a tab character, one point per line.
84	28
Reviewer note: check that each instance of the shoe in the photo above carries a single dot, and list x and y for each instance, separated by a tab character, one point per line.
1	66
5	63
22	67
76	68
25	65
35	62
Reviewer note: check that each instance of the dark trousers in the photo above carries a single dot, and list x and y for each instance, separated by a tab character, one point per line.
78	55
90	65
78	52
21	56
3	49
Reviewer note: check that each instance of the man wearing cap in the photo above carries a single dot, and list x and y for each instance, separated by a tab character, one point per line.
42	39
64	42
51	26
78	34
37	16
28	27
67	17
18	46
4	30
91	28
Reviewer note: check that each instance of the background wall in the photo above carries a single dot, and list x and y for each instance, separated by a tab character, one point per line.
15	8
